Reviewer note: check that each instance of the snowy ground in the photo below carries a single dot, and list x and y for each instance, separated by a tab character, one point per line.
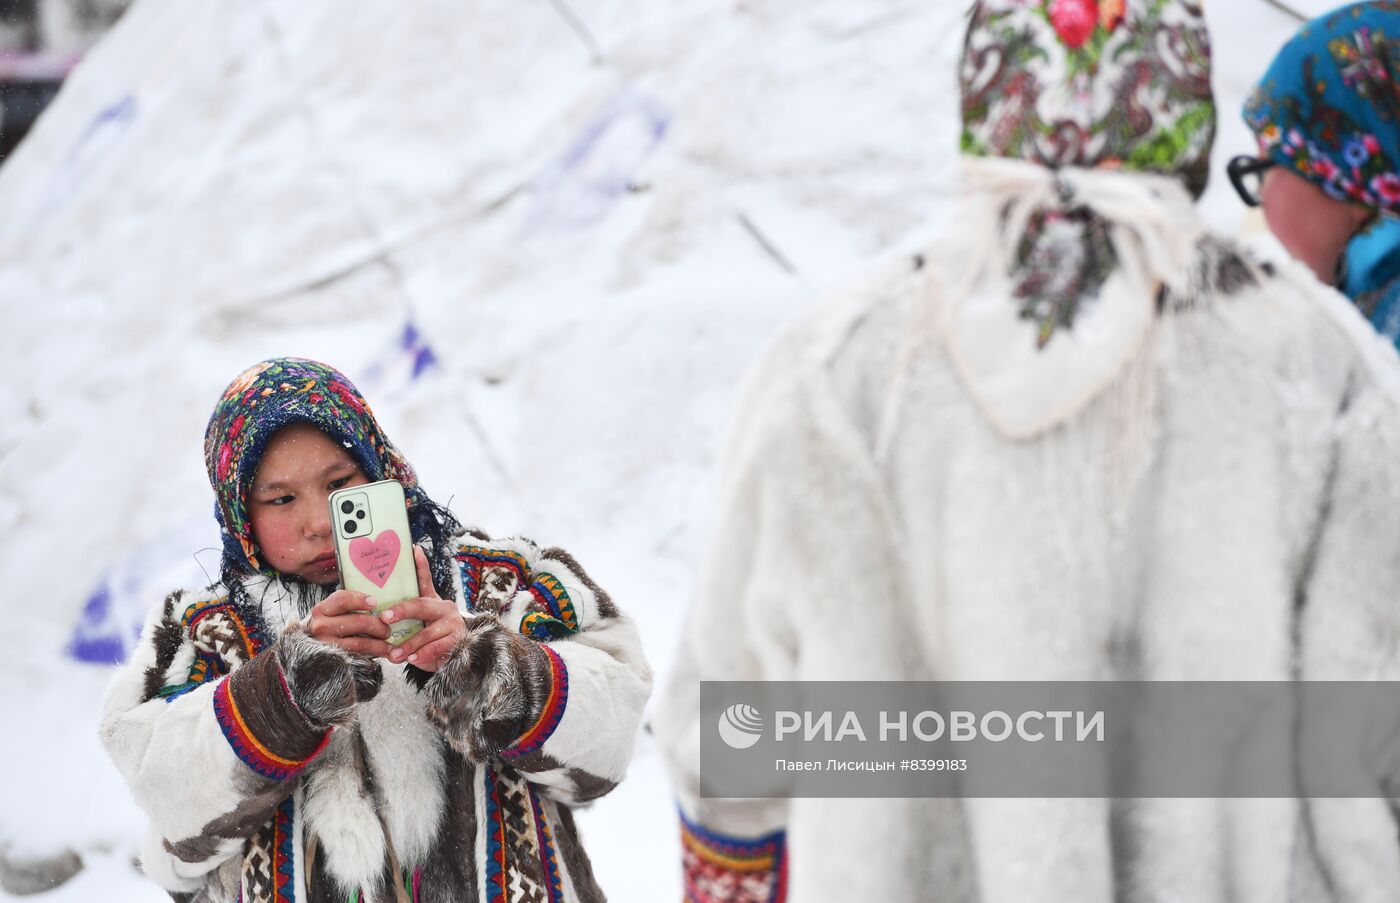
593	235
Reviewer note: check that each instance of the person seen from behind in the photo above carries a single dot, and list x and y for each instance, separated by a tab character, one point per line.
1076	438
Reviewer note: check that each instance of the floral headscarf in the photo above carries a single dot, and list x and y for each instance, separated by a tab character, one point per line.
1329	106
283	391
1120	84
1087	129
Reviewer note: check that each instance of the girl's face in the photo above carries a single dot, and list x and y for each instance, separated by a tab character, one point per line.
287	502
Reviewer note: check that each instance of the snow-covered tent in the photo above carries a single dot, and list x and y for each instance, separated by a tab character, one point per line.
545	238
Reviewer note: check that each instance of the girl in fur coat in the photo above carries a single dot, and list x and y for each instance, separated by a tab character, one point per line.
284	751
1077	438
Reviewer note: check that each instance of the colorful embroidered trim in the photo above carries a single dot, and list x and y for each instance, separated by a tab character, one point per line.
208	665
247	747
199	611
540	626
550	715
284	853
473	559
552	595
199	671
205	667
722	869
549	859
495	841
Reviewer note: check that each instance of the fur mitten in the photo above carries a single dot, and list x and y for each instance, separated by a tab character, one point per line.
325	681
490	690
278	709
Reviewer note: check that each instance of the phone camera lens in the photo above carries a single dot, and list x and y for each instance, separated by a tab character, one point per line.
360	514
349	526
347	506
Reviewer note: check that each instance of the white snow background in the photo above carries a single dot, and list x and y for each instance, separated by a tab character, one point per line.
593	224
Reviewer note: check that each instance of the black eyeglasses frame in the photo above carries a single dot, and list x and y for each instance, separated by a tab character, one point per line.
1241	167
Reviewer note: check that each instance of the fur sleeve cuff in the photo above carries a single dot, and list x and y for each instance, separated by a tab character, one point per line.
551	712
723	869
263	724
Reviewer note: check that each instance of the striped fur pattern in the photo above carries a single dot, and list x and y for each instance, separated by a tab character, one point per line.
324	680
495	686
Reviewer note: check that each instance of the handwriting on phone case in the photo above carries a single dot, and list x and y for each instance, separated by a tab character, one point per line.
375	558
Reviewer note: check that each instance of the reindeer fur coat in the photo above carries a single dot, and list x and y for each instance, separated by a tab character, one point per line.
454	786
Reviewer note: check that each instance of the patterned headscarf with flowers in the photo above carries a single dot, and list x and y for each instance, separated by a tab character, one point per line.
283	391
1121	85
1118	84
1329	106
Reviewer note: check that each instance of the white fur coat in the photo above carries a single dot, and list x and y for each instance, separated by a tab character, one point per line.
1205	489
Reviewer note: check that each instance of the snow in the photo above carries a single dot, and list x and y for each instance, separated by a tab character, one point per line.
593	246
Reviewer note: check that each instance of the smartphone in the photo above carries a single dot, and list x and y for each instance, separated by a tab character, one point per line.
374	548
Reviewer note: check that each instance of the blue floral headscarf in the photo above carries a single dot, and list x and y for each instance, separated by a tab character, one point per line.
1329	106
277	393
1328	109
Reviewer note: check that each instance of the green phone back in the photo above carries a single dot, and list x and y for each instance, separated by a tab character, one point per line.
374	548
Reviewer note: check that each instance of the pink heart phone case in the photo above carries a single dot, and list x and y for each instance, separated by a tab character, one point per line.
374	548
376	558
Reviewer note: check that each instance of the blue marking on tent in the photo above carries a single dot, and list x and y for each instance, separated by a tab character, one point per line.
96	639
600	165
419	350
118	115
111	620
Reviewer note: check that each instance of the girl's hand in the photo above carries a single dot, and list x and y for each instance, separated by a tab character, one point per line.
346	619
443	625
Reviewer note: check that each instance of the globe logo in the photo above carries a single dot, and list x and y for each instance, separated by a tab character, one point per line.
741	726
